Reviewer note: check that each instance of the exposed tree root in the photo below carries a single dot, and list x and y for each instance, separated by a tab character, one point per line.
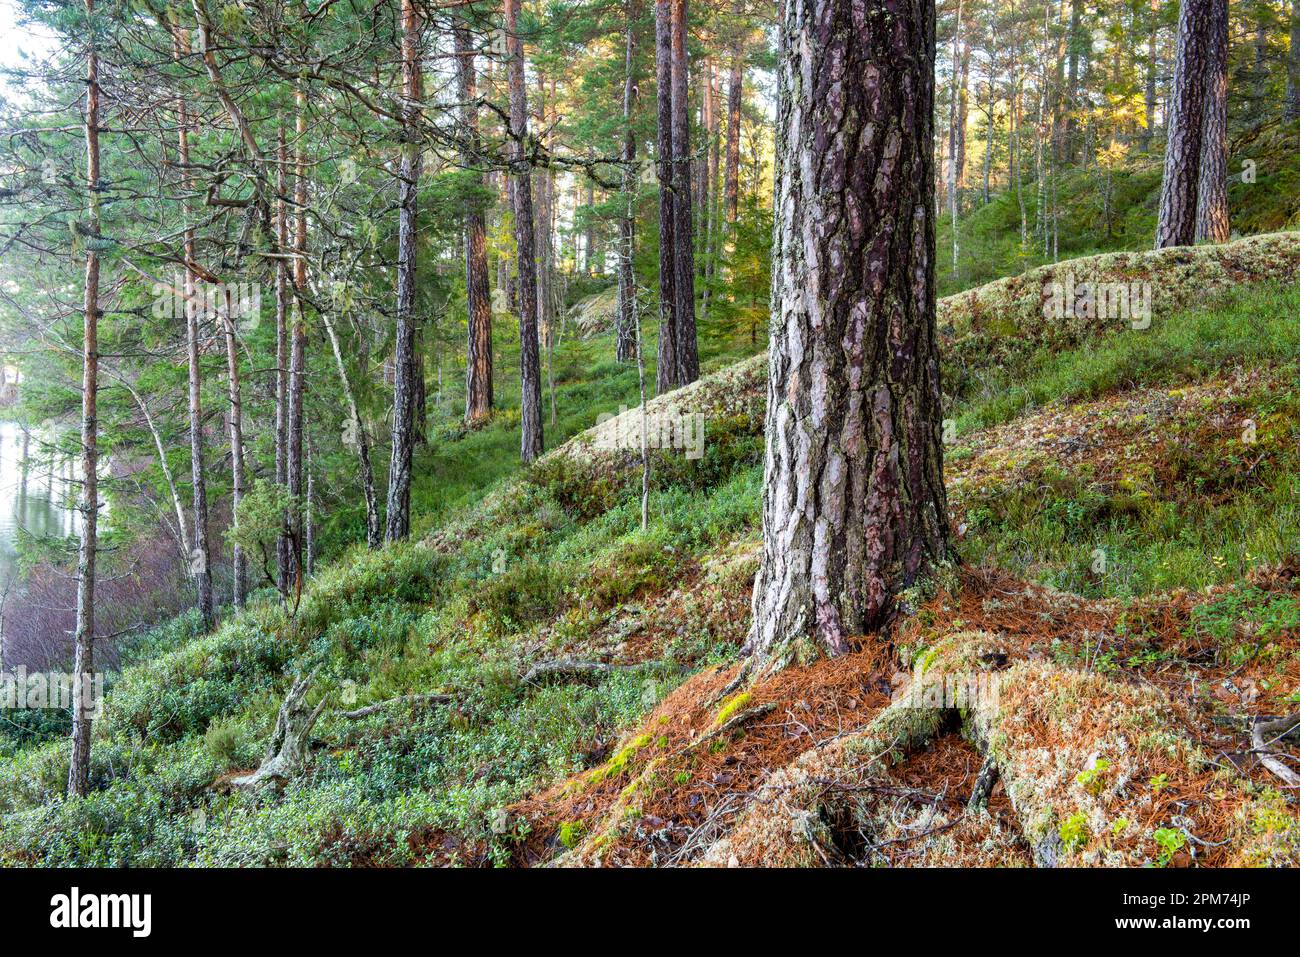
1072	749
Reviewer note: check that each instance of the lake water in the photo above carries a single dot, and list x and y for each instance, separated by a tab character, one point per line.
35	498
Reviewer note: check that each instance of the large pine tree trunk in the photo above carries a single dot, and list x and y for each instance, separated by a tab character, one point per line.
853	504
83	667
478	357
627	333
666	374
1176	224
530	375
688	361
398	524
1212	189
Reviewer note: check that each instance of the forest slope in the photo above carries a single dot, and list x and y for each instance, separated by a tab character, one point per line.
1119	726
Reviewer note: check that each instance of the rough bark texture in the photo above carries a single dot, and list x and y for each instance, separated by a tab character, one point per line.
478	357
688	360
853	506
1212	190
398	524
530	377
1176	225
83	667
666	374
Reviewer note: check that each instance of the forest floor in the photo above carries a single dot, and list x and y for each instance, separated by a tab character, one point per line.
1125	504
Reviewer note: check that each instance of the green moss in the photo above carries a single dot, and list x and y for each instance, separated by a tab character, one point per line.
730	707
571	833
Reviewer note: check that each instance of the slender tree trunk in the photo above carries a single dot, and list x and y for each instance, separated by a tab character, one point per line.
1291	109
1073	41
627	332
1176	224
530	377
478	355
282	307
200	550
309	515
853	503
357	432
404	361
989	135
731	176
83	667
666	375
955	135
702	172
1153	65
236	448
688	361
1212	188
420	391
298	342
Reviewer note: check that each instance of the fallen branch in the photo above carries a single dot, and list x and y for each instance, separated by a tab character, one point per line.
414	700
735	721
1264	734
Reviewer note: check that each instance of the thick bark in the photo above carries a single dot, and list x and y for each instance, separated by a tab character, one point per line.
626	349
688	361
404	360
478	355
200	550
1212	188
84	656
1176	224
666	375
853	506
530	373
